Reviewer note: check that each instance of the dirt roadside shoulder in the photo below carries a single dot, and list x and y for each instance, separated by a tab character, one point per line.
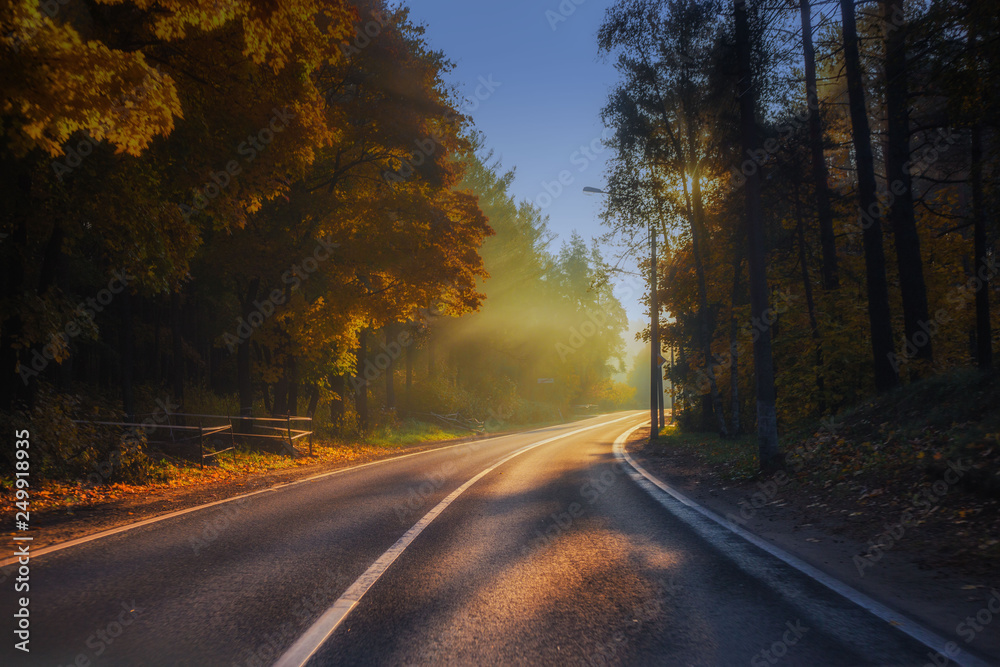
944	599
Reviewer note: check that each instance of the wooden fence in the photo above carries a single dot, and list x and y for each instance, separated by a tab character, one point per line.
172	431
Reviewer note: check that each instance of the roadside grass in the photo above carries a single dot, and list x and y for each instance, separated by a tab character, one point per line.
410	431
734	459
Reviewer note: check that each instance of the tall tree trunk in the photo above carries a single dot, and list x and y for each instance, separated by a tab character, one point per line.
984	332
266	395
409	372
883	349
831	279
685	404
707	400
685	164
293	386
50	276
156	355
698	249
67	370
659	396
767	416
734	351
281	393
901	215
673	389
50	270
16	184
705	423
243	378
127	355
390	389
661	422
431	370
361	384
810	302
338	403
313	400
139	315
654	339
177	363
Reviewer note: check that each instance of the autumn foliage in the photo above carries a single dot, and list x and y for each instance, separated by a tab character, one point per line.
278	202
926	75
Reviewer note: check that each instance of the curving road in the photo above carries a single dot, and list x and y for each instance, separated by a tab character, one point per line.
552	555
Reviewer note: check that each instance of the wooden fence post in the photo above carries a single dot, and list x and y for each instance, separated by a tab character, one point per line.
201	445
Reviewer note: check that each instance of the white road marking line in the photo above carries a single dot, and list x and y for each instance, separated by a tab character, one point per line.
313	638
651	484
170	515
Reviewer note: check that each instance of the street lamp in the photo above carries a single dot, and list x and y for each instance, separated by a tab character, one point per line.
655	378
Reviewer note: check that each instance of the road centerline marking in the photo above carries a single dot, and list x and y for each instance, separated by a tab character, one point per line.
316	635
6	562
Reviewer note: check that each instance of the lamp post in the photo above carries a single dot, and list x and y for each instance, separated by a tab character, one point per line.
655	388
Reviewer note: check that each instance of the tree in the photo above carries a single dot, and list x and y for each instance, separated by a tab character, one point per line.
901	214
661	112
767	417
135	89
869	217
824	214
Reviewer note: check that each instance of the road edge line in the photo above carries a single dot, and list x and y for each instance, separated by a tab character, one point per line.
925	636
302	650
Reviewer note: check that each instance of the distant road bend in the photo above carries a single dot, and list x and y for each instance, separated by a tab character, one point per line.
533	548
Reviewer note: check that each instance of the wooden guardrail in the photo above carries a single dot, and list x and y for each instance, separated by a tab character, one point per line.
279	429
242	426
198	432
290	434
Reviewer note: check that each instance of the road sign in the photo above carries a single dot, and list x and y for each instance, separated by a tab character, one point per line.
546	380
660	360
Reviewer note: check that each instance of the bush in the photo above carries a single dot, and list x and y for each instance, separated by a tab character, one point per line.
64	450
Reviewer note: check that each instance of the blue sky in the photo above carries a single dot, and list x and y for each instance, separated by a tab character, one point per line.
544	116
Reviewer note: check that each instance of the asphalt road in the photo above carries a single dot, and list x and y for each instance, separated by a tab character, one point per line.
555	556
